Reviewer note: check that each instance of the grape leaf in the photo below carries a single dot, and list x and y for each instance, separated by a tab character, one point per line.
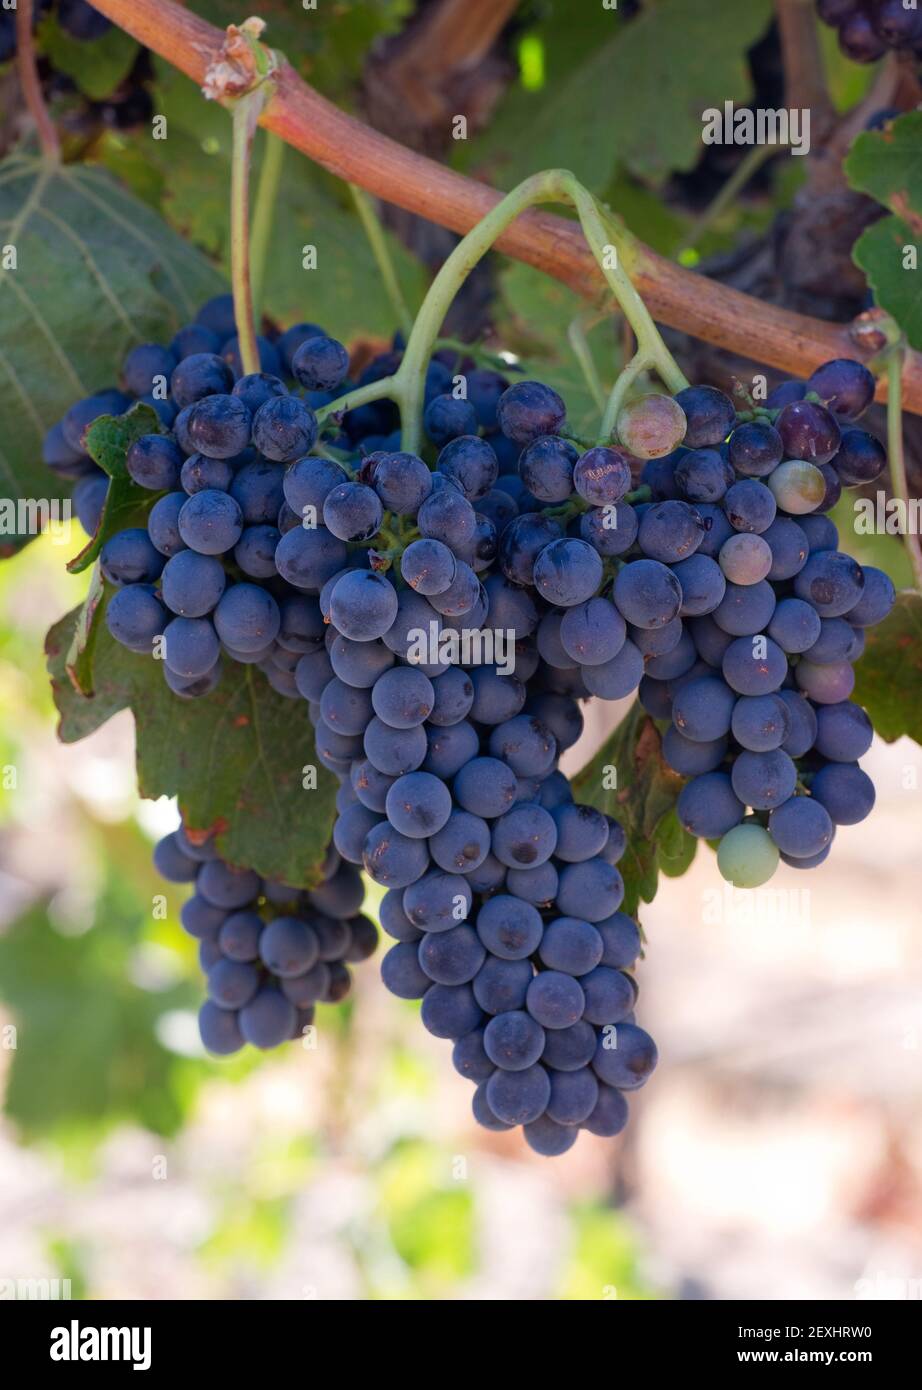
889	673
692	58
880	252
235	759
107	441
870	546
676	848
97	66
642	800
885	164
86	1044
96	272
78	663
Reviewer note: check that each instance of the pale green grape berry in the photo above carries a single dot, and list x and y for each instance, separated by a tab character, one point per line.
798	487
651	426
747	856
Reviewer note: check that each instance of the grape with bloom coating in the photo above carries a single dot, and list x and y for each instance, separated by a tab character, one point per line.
651	426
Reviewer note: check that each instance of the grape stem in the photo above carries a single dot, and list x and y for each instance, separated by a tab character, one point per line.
245	116
361	395
481	355
377	241
638	364
411	374
27	72
577	334
897	457
605	236
261	231
407	386
644	493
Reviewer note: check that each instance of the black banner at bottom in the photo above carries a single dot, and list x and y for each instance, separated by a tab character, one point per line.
160	1339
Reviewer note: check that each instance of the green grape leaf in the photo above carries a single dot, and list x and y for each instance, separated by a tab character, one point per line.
96	272
78	662
107	441
97	66
692	57
880	251
111	436
628	780
889	673
676	848
862	534
235	759
343	291
885	164
86	1049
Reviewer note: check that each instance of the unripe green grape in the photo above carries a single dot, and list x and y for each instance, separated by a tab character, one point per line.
798	487
747	856
651	426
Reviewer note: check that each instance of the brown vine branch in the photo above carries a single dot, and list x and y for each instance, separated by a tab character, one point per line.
29	83
793	343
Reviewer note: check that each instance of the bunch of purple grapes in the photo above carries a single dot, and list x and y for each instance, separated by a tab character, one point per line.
443	613
370	553
215	569
754	666
503	895
270	952
867	29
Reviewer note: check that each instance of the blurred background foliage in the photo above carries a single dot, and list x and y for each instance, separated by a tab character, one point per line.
130	1163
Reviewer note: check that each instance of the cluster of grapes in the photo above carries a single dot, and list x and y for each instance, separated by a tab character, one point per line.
868	28
76	17
503	895
443	621
336	625
222	511
756	640
270	952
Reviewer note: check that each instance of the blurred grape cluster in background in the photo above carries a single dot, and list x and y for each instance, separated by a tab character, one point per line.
779	1153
